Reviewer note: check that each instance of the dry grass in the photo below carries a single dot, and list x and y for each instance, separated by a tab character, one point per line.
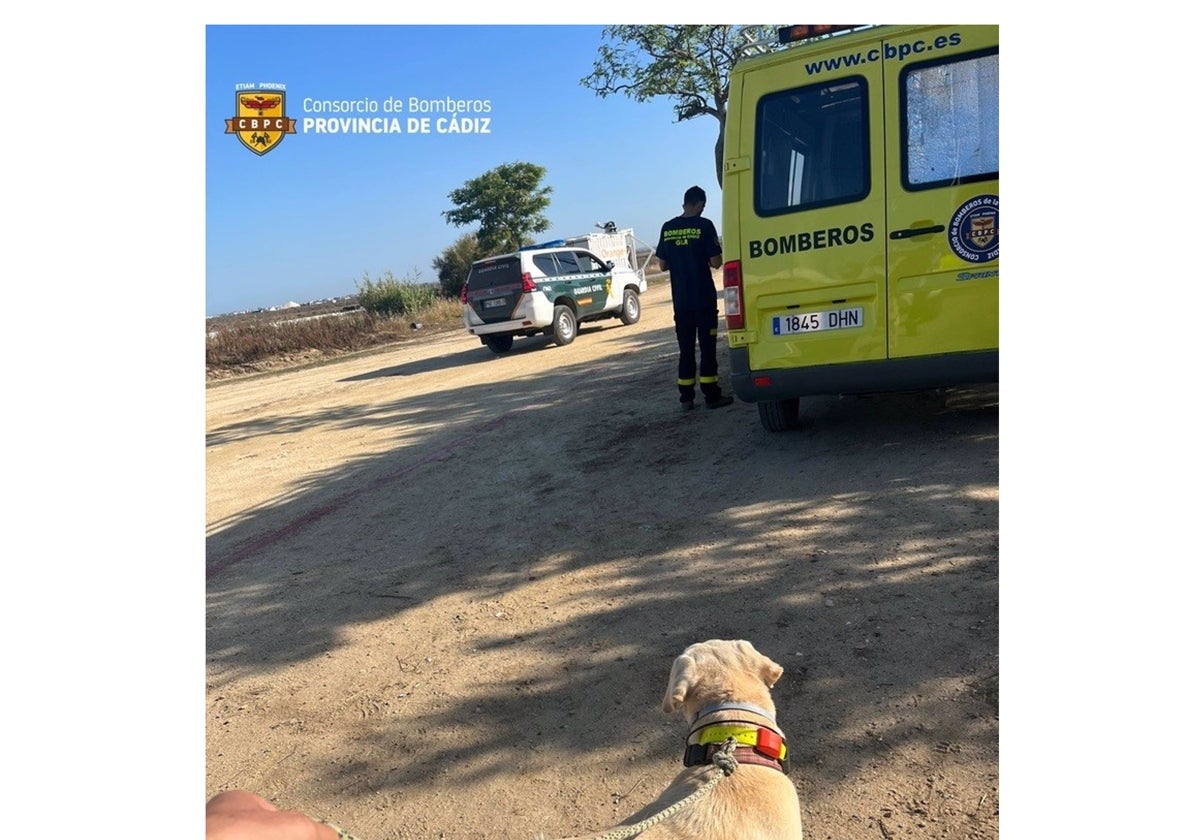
257	342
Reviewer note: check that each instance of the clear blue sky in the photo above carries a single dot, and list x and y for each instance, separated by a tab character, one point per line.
309	218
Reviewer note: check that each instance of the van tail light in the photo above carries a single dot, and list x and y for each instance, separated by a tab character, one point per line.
462	296
734	309
527	282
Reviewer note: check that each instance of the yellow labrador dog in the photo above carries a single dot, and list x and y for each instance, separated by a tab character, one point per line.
722	688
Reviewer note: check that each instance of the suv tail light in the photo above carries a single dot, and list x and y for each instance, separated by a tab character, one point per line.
527	282
462	296
732	281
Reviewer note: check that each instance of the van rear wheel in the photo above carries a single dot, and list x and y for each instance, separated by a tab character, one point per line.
779	415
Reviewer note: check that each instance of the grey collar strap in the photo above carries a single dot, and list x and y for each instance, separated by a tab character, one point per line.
739	707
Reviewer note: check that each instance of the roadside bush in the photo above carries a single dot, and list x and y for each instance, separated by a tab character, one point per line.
389	296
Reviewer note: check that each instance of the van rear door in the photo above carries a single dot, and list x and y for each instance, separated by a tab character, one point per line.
943	208
811	231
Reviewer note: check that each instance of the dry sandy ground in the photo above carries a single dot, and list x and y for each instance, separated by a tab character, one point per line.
445	588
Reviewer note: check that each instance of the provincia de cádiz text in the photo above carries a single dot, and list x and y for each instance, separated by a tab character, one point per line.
396	115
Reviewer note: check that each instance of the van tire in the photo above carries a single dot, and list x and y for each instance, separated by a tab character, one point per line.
631	307
564	327
779	415
498	343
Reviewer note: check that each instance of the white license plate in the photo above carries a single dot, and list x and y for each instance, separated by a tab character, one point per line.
494	302
830	319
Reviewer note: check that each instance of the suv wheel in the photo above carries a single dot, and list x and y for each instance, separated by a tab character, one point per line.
498	343
563	328
631	307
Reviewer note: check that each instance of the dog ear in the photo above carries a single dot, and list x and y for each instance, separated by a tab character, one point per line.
769	671
683	675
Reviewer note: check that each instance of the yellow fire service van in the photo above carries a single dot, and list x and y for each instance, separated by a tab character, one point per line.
861	215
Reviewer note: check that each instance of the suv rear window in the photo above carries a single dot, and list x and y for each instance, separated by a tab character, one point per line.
545	264
560	263
493	273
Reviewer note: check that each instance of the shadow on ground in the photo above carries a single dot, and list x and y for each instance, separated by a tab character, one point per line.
861	550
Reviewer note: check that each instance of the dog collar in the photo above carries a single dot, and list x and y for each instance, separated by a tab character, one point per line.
737	707
756	745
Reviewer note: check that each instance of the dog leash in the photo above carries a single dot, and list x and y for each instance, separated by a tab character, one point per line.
723	761
725	764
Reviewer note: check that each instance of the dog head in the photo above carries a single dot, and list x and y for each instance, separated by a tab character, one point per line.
720	671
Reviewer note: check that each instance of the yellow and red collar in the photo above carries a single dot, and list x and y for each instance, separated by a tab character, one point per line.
756	744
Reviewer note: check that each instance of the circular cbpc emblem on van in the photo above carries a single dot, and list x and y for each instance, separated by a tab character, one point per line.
975	229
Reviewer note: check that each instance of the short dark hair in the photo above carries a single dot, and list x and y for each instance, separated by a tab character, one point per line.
695	195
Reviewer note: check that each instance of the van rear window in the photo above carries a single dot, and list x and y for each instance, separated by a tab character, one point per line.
952	122
811	147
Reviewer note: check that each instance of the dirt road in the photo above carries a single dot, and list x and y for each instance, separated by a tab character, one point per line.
445	588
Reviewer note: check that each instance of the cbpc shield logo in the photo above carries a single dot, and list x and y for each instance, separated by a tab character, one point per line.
975	229
261	120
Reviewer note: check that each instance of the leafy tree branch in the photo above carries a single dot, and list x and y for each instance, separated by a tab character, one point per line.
687	63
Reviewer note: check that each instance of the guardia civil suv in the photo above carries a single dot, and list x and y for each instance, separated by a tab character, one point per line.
549	289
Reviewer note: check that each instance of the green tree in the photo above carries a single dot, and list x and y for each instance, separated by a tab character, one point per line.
453	264
689	64
507	202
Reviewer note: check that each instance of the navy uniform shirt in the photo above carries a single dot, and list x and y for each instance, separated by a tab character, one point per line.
687	243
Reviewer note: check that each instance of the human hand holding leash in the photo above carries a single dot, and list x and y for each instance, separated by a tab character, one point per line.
241	815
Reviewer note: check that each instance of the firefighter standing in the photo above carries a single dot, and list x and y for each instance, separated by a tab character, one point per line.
688	248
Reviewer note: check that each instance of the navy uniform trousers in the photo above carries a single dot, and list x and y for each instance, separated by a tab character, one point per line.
694	326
